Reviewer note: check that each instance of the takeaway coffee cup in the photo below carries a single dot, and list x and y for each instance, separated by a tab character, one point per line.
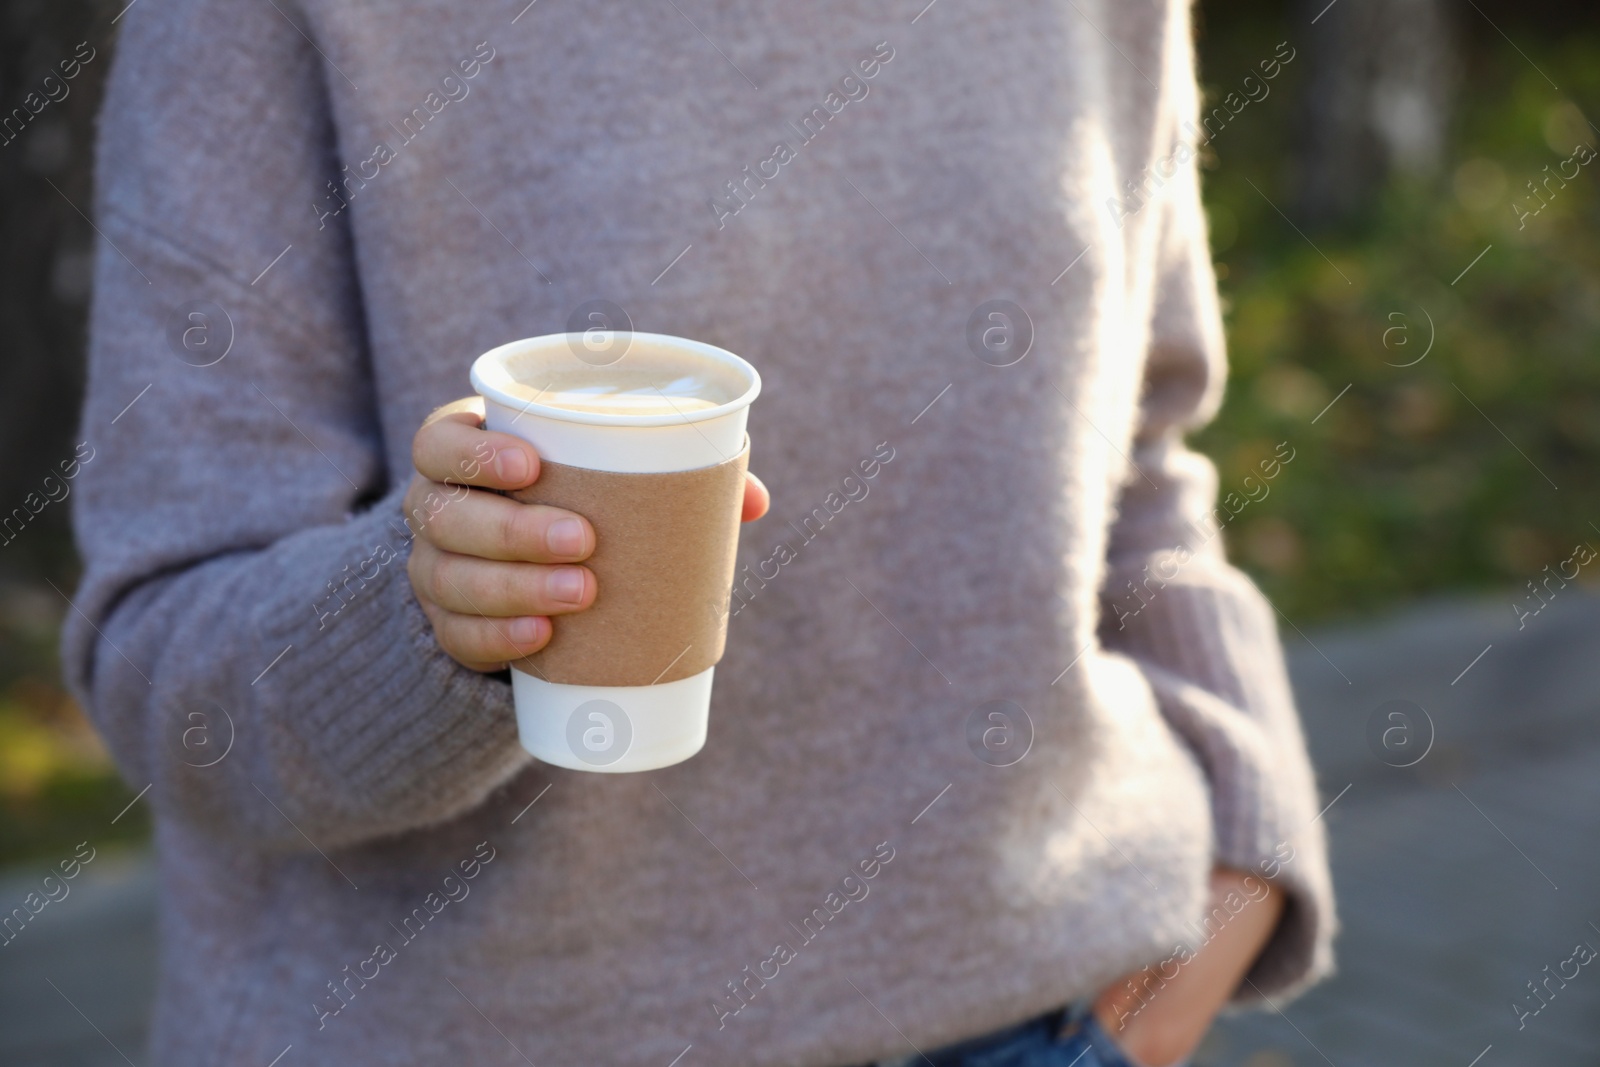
644	435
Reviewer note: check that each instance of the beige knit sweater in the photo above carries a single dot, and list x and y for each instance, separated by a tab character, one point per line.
953	778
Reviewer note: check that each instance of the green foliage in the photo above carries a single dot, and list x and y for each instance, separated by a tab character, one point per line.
57	784
1441	475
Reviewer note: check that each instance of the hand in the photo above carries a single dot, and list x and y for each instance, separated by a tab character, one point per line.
1158	1017
490	572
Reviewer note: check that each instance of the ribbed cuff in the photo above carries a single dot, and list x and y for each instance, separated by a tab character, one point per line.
403	734
1208	645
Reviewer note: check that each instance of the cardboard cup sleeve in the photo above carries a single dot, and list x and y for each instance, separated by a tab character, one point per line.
664	555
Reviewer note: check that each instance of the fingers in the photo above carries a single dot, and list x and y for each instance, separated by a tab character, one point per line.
488	571
472	586
482	644
498	528
452	446
756	499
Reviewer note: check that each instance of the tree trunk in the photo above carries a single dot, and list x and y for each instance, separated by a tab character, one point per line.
45	272
1381	74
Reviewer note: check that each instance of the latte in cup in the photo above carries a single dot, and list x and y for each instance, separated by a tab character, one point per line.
651	379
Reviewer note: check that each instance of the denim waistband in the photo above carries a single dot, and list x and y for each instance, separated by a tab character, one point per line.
1069	1035
1035	1031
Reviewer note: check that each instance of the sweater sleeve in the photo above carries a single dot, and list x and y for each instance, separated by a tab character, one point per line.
244	634
1201	632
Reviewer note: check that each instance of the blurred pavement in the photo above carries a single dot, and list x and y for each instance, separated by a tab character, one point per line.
97	945
1460	878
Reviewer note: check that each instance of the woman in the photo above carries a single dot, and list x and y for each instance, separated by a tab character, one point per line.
1003	756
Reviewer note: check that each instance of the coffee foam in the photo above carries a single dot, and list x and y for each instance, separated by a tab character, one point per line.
648	380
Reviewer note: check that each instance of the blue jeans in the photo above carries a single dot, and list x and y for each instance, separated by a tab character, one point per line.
1063	1038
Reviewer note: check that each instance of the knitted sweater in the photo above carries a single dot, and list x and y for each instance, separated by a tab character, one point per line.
987	716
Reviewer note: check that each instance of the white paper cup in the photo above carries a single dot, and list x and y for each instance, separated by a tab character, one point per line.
612	729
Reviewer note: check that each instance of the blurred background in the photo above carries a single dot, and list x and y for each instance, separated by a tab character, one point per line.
1404	222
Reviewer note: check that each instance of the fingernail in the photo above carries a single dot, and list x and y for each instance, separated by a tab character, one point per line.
565	537
511	465
527	631
566	585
